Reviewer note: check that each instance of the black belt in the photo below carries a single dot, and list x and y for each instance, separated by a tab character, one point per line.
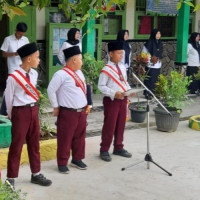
31	104
72	109
28	105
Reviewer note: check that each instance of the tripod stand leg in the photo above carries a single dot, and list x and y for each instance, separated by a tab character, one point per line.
148	158
131	165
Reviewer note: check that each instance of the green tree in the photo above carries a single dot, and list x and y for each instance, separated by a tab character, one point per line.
80	7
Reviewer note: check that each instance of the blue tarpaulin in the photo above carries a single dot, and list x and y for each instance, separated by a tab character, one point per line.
163	7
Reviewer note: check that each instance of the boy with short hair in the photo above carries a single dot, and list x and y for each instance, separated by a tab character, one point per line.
67	94
21	101
9	51
113	83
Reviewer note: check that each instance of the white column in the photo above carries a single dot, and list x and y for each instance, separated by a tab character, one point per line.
130	17
40	24
197	18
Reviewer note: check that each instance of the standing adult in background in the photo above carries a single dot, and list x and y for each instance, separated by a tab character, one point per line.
9	50
73	36
11	44
123	35
154	47
193	59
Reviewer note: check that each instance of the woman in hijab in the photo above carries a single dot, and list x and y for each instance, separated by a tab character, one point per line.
123	36
154	47
73	40
193	59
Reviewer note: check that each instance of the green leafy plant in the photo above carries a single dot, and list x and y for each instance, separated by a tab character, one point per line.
138	106
46	129
7	194
189	3
197	76
91	69
173	89
81	8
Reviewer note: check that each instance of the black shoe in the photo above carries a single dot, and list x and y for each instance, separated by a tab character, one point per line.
123	153
78	164
105	156
40	180
63	169
10	182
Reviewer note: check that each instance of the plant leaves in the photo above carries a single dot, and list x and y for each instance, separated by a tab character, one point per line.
17	11
179	4
196	8
189	3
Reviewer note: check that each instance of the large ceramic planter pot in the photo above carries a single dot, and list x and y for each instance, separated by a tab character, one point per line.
138	114
164	121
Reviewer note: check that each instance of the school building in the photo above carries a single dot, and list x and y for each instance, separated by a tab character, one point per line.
49	26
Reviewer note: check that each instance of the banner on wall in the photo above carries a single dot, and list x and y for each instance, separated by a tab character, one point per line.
163	7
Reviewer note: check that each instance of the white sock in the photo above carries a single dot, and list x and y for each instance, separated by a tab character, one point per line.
35	174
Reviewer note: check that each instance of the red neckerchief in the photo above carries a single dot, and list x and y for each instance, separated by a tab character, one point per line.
115	77
76	78
25	84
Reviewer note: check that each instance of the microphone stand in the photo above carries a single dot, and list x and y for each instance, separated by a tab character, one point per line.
148	156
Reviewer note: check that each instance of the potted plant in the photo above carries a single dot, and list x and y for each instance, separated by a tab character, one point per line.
138	109
91	69
46	130
172	90
138	112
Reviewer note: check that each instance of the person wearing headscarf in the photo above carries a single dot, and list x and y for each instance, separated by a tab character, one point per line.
123	36
193	59
154	47
73	36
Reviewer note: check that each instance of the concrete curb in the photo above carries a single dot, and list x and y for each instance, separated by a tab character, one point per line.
47	152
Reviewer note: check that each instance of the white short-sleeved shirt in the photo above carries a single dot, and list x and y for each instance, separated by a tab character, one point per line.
11	44
66	45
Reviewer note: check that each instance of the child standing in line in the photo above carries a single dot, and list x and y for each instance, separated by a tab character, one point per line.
113	83
21	101
67	94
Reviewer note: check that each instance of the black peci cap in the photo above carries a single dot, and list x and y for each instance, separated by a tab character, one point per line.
27	49
117	45
71	51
